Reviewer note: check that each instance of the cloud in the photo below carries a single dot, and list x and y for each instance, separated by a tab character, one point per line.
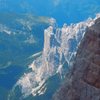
56	2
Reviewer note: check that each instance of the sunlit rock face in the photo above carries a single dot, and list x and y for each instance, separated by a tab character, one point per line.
60	46
83	80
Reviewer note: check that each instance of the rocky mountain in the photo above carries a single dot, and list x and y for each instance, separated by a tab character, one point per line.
82	82
60	47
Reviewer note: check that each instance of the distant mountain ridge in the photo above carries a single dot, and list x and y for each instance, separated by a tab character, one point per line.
20	33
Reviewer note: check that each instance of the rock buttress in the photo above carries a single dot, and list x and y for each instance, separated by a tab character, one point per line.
83	81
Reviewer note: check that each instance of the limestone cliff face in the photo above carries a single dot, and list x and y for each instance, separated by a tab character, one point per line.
60	46
83	80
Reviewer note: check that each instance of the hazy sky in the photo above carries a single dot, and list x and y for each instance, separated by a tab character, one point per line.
63	10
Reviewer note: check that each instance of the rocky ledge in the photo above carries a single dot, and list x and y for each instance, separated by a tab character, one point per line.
83	80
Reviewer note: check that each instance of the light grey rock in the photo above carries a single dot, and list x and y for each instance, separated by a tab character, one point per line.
60	46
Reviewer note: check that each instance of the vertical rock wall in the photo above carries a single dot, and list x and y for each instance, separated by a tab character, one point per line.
83	81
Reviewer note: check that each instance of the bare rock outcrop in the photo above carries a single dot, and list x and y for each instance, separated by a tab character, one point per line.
83	80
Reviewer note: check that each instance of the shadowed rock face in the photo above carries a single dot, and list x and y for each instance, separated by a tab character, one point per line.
83	80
